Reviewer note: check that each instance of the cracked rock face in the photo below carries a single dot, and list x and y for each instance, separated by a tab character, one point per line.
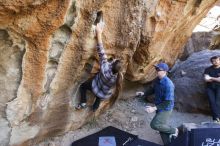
48	49
12	49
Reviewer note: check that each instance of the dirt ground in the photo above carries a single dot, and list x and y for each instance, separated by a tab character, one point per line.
128	115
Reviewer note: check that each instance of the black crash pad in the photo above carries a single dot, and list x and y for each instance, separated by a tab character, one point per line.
198	137
93	140
120	137
141	142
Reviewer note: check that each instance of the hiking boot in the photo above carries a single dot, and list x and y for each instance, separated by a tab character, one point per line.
217	121
175	135
81	106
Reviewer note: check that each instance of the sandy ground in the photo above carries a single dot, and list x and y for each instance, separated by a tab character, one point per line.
128	115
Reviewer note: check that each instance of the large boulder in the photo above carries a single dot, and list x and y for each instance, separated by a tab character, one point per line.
198	41
190	86
205	34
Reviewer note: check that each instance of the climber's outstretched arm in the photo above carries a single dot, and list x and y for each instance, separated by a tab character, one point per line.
100	48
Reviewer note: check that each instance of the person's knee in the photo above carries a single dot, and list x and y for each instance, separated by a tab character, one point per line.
154	125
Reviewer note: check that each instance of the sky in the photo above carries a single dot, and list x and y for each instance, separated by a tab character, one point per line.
209	21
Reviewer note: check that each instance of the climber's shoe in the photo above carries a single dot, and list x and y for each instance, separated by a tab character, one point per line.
81	106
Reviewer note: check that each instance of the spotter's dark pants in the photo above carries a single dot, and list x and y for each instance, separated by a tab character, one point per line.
214	101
